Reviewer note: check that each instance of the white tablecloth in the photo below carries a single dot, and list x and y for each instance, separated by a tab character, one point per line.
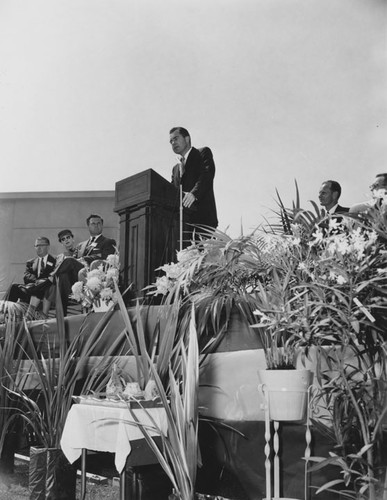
106	428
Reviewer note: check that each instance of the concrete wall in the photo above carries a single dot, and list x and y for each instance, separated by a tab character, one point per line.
24	216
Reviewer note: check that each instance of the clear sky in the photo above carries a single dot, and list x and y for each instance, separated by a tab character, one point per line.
279	89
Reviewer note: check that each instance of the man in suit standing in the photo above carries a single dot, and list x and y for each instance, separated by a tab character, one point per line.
36	285
329	195
195	172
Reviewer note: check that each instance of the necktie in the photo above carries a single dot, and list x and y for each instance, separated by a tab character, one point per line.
42	267
323	213
89	246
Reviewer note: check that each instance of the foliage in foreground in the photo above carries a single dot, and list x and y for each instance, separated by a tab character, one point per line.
317	284
42	394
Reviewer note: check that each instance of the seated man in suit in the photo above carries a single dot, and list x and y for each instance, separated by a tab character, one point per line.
195	172
97	246
329	195
36	285
78	259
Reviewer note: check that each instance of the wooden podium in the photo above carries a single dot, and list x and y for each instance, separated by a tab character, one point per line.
148	207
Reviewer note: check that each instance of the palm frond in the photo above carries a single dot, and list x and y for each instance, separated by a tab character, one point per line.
178	455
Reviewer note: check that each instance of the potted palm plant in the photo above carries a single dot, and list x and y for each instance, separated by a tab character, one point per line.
258	275
282	310
251	275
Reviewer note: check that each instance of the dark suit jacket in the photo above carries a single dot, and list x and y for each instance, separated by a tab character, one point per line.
336	215
341	210
198	179
102	248
324	223
31	272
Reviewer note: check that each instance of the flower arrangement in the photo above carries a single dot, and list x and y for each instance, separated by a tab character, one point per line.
174	271
99	285
320	289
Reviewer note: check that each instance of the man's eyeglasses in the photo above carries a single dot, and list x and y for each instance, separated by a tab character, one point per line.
64	238
41	245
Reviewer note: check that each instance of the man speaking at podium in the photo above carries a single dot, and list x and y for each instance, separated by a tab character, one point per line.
195	172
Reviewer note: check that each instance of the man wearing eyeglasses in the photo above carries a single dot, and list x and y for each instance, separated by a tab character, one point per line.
36	287
65	271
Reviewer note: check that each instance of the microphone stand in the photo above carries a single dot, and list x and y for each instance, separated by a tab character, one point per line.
181	217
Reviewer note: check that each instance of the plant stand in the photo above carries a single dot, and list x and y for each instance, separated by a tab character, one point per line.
272	449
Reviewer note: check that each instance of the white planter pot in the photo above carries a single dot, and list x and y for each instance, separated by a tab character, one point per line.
287	392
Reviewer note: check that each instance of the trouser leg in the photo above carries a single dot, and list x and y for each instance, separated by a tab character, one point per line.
15	293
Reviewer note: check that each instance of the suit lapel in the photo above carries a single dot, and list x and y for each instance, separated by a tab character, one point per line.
189	159
189	167
88	250
82	248
35	265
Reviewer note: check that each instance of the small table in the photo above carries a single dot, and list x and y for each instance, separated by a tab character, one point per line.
110	429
